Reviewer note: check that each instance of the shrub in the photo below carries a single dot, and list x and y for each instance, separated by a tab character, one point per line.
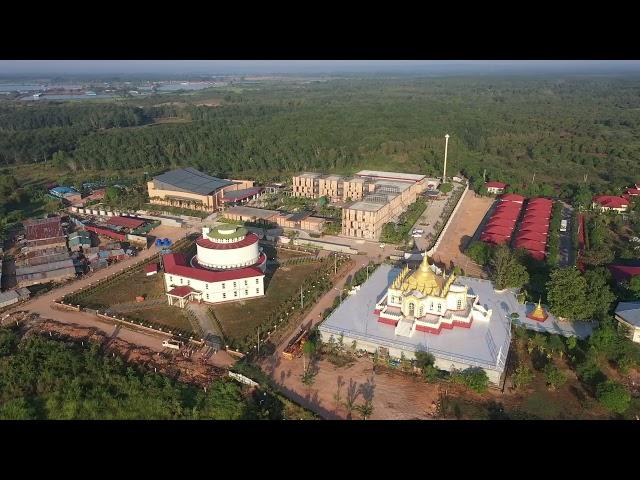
554	377
522	377
424	359
475	378
613	396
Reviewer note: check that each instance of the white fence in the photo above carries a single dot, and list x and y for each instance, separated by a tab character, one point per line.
242	379
444	230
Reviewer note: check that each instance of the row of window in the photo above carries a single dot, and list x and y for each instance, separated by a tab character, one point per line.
421	311
235	293
235	284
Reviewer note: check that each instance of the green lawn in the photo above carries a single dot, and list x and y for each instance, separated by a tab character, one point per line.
170	316
241	318
125	289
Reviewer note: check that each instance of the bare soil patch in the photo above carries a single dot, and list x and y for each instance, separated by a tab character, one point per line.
462	228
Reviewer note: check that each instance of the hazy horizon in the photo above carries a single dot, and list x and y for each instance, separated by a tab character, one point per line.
306	67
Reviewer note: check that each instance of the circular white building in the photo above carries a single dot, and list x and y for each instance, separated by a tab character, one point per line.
228	247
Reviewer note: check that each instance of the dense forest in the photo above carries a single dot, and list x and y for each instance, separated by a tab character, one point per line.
41	378
561	129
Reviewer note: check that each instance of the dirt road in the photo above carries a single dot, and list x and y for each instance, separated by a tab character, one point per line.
42	305
394	396
463	226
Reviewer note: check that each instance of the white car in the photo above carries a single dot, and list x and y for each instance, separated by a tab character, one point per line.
382	245
418	231
174	344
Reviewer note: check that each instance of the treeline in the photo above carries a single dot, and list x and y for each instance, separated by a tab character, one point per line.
50	379
561	130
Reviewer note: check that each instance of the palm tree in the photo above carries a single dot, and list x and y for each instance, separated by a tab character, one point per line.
365	410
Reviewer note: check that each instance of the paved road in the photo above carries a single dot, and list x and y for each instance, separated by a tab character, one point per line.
429	218
566	250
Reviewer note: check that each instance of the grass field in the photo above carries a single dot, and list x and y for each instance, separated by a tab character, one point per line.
241	318
126	290
173	317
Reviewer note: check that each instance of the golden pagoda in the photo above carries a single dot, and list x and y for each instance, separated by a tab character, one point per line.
538	314
423	280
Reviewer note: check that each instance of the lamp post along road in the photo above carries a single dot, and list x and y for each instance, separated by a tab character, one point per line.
446	147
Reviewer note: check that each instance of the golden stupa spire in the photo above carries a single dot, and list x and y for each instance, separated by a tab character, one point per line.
538	313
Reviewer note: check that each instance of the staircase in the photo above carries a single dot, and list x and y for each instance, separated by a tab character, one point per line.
405	327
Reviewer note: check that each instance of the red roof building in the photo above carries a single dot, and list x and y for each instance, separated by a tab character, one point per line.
495	187
624	273
505	231
175	263
610	202
126	222
533	227
633	192
151	269
512	197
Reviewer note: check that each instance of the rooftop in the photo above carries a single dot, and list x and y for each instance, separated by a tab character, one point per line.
366	206
176	264
43	228
479	344
190	180
126	222
242	194
629	312
251	212
391	175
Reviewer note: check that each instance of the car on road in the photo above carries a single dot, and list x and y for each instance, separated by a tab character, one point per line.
419	231
174	344
563	226
382	245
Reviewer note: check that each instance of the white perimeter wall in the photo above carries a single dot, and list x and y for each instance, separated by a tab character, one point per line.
440	363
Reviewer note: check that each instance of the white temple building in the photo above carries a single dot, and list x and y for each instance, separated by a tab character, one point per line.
229	265
461	321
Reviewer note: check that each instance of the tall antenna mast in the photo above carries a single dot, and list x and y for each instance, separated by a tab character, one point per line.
446	147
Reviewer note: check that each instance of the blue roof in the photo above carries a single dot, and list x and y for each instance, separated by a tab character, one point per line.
62	190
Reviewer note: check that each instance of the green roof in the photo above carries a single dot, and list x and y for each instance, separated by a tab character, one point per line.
225	231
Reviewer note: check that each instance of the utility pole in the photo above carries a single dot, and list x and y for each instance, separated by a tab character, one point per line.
335	263
484	176
301	298
258	340
446	147
533	180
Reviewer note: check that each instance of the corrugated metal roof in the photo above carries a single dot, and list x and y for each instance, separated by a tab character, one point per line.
629	312
191	180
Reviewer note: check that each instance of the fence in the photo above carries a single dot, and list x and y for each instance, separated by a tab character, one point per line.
469	360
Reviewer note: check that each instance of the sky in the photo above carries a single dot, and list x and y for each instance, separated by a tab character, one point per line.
327	67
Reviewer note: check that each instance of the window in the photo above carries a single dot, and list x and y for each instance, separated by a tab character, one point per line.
181	280
246	282
206	285
246	292
421	310
235	293
171	278
188	282
439	307
459	304
257	290
223	285
257	281
207	296
235	284
224	295
431	306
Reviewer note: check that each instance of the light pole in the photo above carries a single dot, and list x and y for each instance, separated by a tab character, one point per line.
446	147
